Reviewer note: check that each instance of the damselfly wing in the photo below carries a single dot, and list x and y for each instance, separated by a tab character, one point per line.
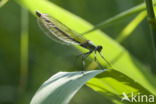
58	31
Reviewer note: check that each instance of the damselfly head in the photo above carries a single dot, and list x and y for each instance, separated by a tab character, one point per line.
38	13
99	48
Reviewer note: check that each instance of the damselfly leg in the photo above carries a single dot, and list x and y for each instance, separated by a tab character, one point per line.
105	59
85	55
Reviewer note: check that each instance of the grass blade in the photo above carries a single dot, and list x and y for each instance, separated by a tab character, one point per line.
118	17
60	88
126	32
3	2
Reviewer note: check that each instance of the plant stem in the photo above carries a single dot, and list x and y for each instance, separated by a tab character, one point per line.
24	52
152	23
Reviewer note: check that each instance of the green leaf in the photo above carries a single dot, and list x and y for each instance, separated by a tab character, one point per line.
112	84
3	2
126	32
118	17
61	87
120	58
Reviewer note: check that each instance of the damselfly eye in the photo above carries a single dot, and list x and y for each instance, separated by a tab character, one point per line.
99	48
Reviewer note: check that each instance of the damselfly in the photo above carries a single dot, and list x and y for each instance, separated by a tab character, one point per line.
64	35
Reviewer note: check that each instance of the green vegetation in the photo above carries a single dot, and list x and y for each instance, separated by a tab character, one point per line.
127	46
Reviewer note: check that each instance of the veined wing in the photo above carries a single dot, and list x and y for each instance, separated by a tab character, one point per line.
58	31
49	33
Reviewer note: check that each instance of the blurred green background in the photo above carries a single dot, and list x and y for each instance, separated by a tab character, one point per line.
47	57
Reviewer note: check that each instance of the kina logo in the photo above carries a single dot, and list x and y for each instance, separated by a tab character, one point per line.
138	98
